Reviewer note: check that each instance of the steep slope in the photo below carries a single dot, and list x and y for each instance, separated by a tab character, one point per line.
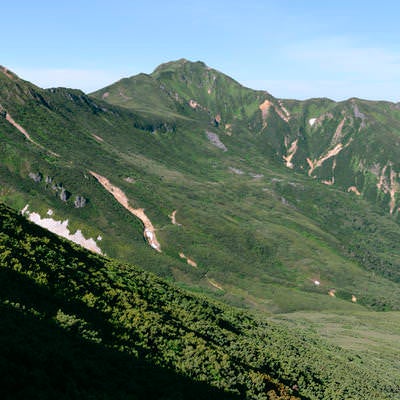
257	232
66	311
190	89
351	144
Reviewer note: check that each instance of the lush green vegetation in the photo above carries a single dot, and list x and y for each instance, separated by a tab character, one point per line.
78	325
260	233
256	229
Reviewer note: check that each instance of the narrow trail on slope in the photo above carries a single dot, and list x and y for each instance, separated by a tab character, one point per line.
27	135
214	284
149	230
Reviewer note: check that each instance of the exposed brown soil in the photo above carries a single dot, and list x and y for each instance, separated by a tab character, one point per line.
354	190
5	71
291	152
338	133
190	261
149	230
27	135
193	104
98	138
330	153
264	107
173	218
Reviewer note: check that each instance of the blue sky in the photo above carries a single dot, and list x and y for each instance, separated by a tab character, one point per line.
292	48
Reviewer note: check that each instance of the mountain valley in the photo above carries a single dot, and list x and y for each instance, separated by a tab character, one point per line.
282	214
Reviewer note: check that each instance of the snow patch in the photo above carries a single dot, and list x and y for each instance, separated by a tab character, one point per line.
311	121
149	234
25	209
50	212
60	228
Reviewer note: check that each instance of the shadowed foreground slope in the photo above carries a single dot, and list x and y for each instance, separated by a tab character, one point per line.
75	325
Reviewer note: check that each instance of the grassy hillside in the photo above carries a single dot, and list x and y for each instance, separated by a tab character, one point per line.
78	325
259	233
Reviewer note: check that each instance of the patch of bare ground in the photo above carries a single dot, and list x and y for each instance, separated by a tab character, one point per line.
213	283
6	72
173	218
27	135
228	129
264	107
354	190
193	104
290	153
98	138
316	163
149	230
282	111
189	260
387	184
332	180
338	133
124	96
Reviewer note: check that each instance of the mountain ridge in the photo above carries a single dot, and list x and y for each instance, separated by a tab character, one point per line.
286	209
182	163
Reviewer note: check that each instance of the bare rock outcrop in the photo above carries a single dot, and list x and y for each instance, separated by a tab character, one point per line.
36	177
215	140
80	202
64	194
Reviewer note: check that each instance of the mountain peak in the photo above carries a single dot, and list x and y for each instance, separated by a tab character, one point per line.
182	63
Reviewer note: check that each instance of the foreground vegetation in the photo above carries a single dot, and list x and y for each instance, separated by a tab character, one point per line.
77	325
265	203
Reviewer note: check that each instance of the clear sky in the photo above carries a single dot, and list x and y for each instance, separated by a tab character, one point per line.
292	48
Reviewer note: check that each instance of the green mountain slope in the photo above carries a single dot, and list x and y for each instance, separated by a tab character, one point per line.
351	144
204	158
78	325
